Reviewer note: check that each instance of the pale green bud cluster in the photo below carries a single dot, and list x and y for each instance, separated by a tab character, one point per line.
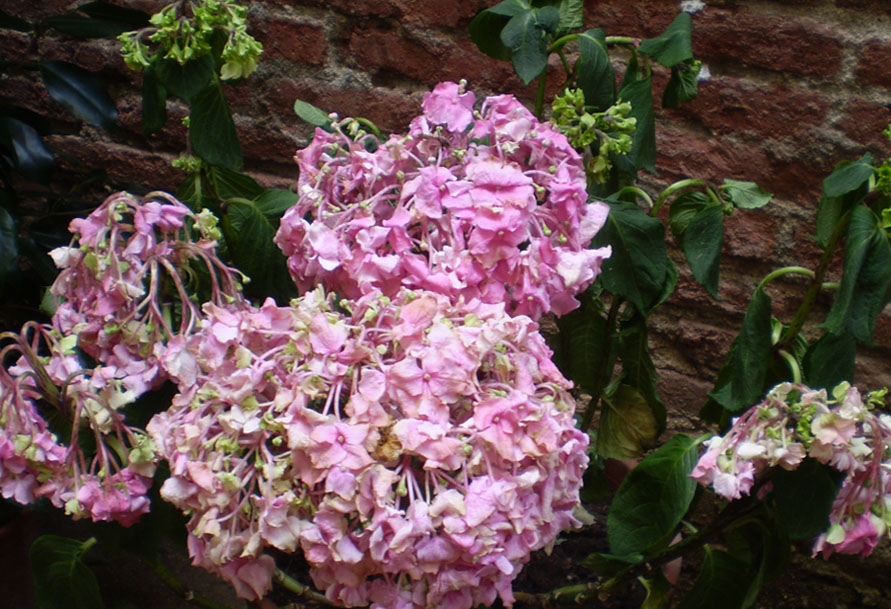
183	38
607	133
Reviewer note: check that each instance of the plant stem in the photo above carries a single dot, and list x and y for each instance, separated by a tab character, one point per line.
639	193
181	589
301	589
676	187
816	283
606	370
539	95
786	270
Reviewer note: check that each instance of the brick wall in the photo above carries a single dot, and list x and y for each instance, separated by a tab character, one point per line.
796	86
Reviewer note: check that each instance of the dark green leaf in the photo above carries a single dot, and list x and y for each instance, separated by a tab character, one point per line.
830	360
61	579
643	142
633	73
683	210
129	17
831	213
721	582
584	349
803	497
637	268
525	36
39	262
702	242
683	84
653	498
745	195
572	14
673	46
741	380
212	130
658	591
311	114
595	72
509	8
249	227
188	80
864	284
80	26
638	369
848	176
606	565
485	31
11	22
154	101
9	250
214	185
27	151
627	425
79	91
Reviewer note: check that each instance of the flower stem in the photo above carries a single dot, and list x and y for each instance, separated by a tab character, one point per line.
676	187
539	95
786	270
637	192
300	589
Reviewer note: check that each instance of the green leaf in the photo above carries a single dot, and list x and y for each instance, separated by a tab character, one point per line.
27	150
129	17
79	91
653	498
638	369
702	242
527	39
249	227
188	80
627	425
830	360
658	591
803	497
848	176
606	565
637	268
683	84
214	185
9	251
312	115
61	579
673	46
509	8
584	347
721	582
11	22
572	13
485	31
745	195
595	72
212	130
867	273
643	142
154	101
741	381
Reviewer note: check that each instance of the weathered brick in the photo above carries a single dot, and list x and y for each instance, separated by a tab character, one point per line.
738	105
864	122
873	62
291	39
796	45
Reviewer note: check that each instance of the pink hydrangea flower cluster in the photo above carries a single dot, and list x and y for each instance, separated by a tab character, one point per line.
489	205
110	293
116	304
840	430
416	449
35	463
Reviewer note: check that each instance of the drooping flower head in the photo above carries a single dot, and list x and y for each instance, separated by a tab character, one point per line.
413	448
132	278
840	430
489	205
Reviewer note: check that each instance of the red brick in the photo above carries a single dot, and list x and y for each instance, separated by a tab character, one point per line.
732	105
684	155
15	45
298	42
636	19
365	8
772	42
750	234
267	140
447	13
873	62
864	122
